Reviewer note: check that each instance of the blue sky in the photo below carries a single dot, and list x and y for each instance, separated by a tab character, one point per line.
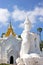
17	10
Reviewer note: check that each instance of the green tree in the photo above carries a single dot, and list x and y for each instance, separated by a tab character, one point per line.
41	45
19	36
2	34
39	30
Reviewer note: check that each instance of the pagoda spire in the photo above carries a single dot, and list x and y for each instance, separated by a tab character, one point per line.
10	30
10	25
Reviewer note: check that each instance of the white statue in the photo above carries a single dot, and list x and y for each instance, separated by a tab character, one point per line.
30	47
26	37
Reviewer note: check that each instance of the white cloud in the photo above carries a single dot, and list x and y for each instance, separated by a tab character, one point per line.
41	19
38	11
40	3
20	15
4	15
21	25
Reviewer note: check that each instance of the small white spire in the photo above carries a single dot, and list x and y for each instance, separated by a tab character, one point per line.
27	24
27	20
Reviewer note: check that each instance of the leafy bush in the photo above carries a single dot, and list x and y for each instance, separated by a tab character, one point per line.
4	64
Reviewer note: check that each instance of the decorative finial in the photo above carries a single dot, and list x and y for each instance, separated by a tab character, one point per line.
10	24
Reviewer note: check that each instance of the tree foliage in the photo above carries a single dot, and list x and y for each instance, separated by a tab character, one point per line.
41	45
39	31
2	34
19	36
